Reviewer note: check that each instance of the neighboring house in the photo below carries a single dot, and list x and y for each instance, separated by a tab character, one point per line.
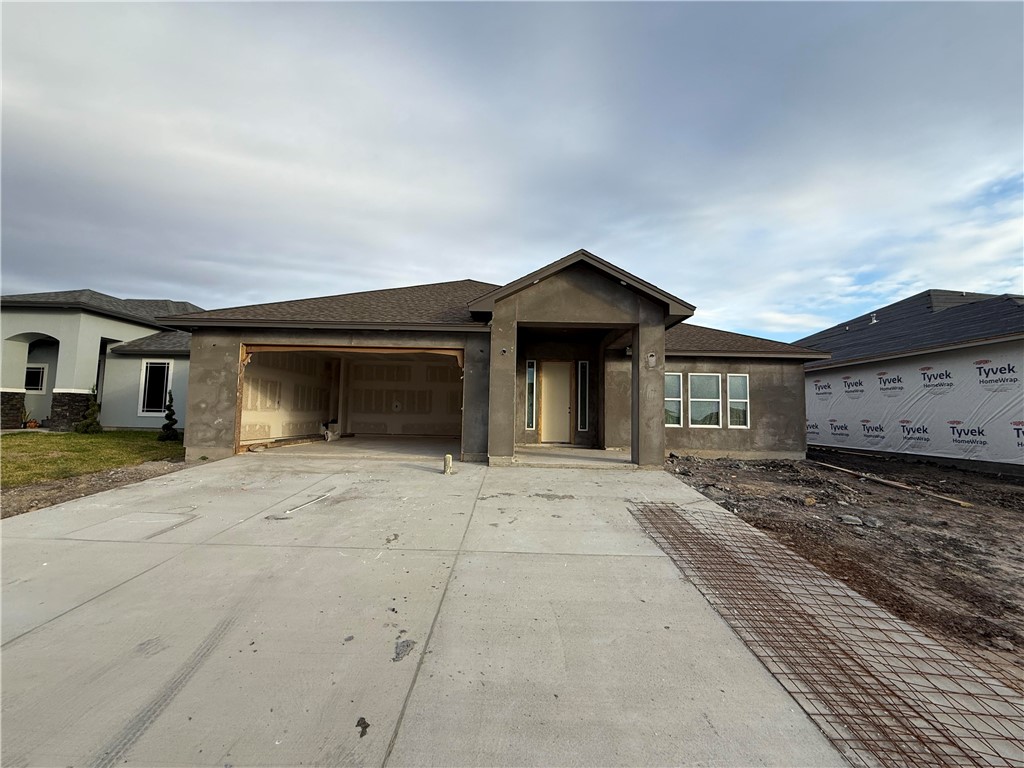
938	374
60	347
579	353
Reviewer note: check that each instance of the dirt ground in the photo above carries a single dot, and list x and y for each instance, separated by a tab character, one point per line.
954	572
15	501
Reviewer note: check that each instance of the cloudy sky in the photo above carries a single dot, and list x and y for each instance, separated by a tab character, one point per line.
783	166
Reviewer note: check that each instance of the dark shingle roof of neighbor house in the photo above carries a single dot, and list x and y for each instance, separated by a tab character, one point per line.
144	311
433	304
928	320
165	343
686	338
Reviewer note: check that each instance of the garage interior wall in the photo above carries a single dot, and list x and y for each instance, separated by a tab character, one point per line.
287	394
404	397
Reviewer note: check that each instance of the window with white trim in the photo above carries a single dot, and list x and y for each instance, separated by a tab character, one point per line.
739	400
155	381
35	378
705	399
531	394
582	395
673	399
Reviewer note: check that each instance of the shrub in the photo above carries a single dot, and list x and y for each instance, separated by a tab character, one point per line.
90	423
168	432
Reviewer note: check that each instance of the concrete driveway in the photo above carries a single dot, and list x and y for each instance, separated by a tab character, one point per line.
253	611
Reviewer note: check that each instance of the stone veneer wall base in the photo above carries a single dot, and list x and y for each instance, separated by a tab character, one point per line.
12	405
67	409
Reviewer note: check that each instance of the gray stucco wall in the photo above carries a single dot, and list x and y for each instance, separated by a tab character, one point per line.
42	352
80	335
214	383
122	381
475	383
777	420
579	297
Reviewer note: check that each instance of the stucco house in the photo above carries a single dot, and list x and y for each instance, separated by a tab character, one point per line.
59	347
577	353
938	374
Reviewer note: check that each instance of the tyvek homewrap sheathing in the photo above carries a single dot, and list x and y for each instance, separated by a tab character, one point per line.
963	404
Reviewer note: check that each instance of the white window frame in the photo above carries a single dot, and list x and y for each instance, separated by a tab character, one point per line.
582	395
142	384
730	400
691	400
676	399
46	375
531	407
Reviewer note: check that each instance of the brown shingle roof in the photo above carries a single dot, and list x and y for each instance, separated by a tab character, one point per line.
433	304
687	338
138	310
928	320
166	343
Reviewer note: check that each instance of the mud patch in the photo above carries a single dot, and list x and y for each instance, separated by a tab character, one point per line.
403	648
26	498
949	570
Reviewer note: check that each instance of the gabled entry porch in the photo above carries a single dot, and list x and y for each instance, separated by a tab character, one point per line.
559	369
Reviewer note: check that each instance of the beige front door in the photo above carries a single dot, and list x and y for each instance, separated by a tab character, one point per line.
555	399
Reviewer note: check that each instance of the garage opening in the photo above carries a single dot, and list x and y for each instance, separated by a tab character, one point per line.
291	393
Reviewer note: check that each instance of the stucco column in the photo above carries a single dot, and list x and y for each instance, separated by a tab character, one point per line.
77	363
15	358
213	395
501	406
12	383
475	391
648	390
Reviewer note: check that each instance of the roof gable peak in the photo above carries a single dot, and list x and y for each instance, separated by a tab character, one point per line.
677	308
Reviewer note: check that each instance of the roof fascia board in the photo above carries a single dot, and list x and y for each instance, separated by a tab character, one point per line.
188	324
677	307
766	355
915	352
152	352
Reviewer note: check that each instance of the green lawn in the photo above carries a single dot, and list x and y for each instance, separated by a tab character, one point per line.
35	457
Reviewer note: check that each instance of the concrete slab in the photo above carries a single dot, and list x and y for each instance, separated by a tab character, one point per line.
227	655
571	457
43	579
575	660
306	592
376	447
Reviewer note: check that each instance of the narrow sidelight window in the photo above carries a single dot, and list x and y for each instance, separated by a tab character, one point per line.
739	400
705	400
531	394
582	396
673	399
156	379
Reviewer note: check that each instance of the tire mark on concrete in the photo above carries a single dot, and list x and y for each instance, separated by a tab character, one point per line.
118	747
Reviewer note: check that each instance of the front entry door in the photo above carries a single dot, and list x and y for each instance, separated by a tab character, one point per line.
555	399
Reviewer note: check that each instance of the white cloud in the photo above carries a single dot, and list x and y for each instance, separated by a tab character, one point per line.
783	166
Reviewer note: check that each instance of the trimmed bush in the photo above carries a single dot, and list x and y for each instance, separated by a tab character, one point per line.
90	423
168	432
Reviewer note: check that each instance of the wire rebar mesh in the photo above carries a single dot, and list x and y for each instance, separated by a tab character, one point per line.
883	691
